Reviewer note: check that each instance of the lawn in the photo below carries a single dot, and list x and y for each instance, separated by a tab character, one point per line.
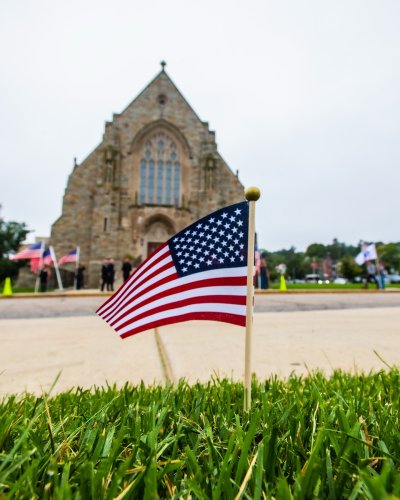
328	286
313	437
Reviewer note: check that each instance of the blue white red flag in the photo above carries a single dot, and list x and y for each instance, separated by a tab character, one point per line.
47	258
72	256
368	252
31	252
199	274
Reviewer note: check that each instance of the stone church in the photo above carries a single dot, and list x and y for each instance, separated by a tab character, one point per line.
156	170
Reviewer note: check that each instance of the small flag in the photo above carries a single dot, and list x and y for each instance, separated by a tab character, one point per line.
32	252
72	256
45	260
199	274
368	252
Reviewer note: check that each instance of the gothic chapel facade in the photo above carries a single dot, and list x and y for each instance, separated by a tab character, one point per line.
156	171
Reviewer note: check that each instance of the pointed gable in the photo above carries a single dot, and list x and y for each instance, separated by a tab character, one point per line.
156	170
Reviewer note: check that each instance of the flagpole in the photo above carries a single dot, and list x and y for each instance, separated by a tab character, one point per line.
252	194
78	251
56	268
40	267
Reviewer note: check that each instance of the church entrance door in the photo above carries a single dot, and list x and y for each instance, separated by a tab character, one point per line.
151	246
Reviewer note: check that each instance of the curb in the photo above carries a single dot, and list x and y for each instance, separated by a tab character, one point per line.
301	291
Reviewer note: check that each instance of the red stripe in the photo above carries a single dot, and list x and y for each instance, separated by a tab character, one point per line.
112	312
234	319
134	278
223	281
214	299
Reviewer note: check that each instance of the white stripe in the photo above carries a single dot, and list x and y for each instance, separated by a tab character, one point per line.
138	276
134	279
108	313
197	292
202	308
232	272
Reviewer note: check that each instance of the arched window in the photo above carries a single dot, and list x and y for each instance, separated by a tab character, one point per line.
160	171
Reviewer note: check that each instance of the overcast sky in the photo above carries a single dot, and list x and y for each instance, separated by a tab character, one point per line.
304	97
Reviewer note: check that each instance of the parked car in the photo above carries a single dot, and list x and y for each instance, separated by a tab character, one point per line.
315	278
340	281
393	279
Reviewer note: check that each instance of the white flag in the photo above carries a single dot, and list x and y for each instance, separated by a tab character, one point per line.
368	252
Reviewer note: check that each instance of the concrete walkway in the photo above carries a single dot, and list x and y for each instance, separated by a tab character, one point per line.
87	352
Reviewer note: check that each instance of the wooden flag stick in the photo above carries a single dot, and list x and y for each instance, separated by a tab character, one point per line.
252	195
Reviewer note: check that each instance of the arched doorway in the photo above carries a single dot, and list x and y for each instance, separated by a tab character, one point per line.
157	230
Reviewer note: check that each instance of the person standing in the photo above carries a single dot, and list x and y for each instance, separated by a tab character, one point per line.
126	269
371	273
110	275
381	276
104	275
79	277
44	275
264	278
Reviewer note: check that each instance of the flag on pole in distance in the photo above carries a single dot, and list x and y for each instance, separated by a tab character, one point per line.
47	257
199	274
368	252
31	252
72	256
45	260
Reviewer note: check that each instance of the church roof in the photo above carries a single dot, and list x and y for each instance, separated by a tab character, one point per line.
159	75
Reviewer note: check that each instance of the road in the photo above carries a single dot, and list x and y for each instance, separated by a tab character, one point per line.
56	307
293	333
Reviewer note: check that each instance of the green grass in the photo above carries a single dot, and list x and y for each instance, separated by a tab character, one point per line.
304	438
328	286
23	290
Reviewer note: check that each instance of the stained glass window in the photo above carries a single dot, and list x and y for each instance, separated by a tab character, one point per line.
160	172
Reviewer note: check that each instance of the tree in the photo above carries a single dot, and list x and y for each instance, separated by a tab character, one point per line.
12	234
348	267
389	255
316	250
294	261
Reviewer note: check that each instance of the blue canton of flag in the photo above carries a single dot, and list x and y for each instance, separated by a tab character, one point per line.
214	242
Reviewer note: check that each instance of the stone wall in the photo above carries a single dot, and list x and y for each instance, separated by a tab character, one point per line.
101	212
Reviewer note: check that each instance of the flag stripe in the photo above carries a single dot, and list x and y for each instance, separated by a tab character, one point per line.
215	277
175	291
226	300
32	252
164	268
167	274
236	317
168	297
71	256
155	261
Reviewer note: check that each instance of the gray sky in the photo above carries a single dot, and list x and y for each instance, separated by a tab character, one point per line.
304	97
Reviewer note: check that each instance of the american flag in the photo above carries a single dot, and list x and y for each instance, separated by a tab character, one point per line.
72	256
32	252
199	274
47	257
45	260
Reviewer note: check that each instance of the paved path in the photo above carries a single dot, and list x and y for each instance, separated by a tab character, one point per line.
53	307
87	352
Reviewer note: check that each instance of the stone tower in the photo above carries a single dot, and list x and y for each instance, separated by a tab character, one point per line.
156	171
